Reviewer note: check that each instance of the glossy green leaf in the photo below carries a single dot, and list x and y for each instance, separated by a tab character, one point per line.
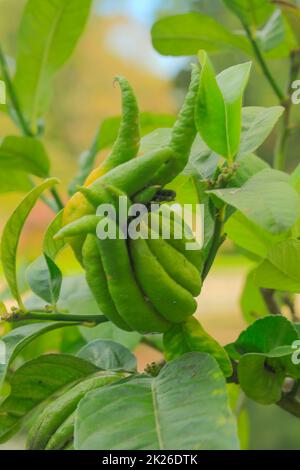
251	12
156	139
261	376
187	33
284	49
76	298
48	34
191	337
17	339
184	187
280	270
162	412
26	154
232	83
203	161
111	332
252	302
257	124
260	382
45	278
108	355
266	334
249	236
273	32
151	121
267	199
37	381
266	348
12	232
219	106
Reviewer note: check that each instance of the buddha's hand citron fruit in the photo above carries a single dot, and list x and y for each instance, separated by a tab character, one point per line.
142	285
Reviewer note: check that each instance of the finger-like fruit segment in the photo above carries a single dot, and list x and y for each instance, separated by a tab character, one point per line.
170	299
130	177
176	265
83	226
128	298
183	135
165	225
63	435
98	283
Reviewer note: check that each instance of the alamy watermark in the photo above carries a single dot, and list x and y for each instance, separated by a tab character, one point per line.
296	353
155	221
296	93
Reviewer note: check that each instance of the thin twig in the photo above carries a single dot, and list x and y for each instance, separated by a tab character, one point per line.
217	241
290	304
12	95
268	295
42	315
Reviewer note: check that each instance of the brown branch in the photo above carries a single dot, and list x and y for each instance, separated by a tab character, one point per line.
268	295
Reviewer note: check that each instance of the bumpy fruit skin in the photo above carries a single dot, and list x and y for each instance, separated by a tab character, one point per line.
140	285
125	148
128	297
58	412
98	282
169	298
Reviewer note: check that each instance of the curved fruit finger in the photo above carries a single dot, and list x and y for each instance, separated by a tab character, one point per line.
126	294
97	281
176	265
128	141
183	135
166	227
60	409
83	226
131	177
171	300
63	435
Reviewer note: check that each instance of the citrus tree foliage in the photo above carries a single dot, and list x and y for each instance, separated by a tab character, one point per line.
76	398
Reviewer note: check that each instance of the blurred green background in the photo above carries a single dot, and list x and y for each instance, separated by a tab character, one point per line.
117	42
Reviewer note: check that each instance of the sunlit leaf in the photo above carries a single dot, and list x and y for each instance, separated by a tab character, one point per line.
187	33
48	34
12	232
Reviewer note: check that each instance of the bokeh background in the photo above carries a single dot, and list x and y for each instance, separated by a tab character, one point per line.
117	42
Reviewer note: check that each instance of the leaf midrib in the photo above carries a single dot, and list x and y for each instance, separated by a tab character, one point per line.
156	418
